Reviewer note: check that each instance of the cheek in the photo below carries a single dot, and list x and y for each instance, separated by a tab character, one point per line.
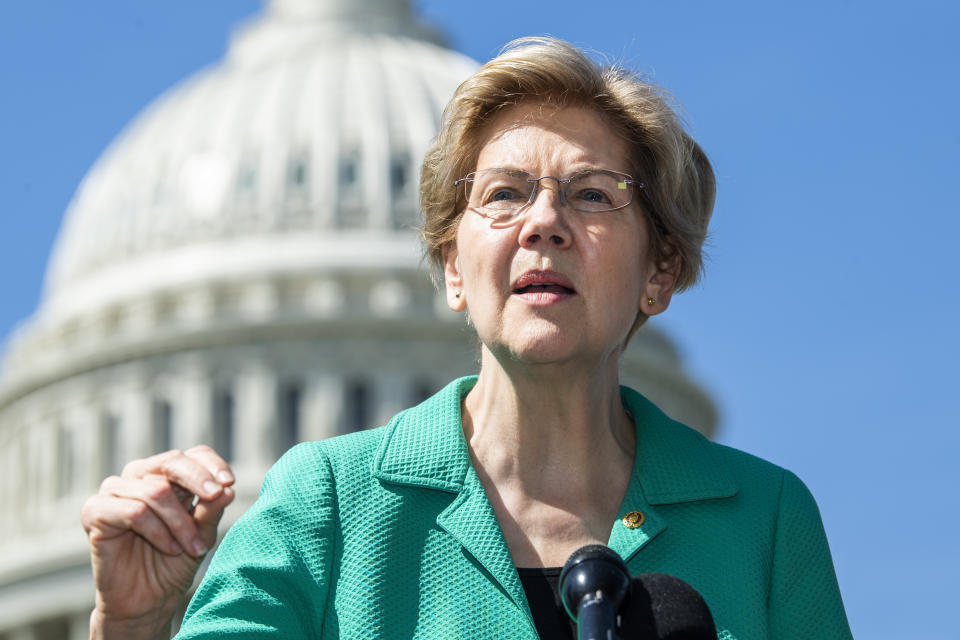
484	255
624	266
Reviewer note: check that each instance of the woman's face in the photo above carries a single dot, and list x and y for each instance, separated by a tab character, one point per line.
557	284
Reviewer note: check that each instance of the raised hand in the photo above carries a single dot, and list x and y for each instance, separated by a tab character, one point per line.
149	529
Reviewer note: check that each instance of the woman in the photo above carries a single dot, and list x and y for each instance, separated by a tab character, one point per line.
564	206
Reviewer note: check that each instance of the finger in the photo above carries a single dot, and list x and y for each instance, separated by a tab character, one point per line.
178	468
90	515
184	497
159	496
210	459
106	517
144	466
208	515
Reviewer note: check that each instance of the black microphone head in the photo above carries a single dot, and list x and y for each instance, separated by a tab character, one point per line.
590	569
664	607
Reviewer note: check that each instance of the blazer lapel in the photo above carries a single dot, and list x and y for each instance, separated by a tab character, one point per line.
628	539
673	463
471	520
425	447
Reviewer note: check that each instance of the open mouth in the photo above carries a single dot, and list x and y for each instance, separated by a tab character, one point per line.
544	287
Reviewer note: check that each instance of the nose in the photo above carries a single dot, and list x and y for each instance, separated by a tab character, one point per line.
543	222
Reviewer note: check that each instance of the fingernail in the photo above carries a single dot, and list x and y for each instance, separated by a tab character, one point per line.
211	487
199	548
225	476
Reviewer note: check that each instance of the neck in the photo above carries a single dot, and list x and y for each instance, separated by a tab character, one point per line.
558	432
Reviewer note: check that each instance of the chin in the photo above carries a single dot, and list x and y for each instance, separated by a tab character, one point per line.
543	345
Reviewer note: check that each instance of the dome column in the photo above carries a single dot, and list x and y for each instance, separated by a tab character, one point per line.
8	485
42	471
256	394
86	454
322	406
136	426
195	403
18	497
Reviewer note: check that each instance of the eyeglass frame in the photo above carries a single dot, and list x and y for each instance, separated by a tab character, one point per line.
561	195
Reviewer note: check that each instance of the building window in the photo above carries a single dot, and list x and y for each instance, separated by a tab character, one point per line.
420	391
357	405
110	446
246	180
162	426
65	461
298	173
351	213
223	423
348	172
405	210
298	176
398	175
289	409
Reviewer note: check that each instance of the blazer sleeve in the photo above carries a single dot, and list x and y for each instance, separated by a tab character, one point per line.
804	596
270	576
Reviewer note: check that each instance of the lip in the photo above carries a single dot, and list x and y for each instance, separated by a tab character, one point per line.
525	287
536	276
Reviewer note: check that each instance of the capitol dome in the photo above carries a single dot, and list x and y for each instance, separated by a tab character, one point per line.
240	268
304	144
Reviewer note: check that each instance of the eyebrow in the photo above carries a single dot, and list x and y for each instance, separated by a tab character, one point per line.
519	173
589	171
513	173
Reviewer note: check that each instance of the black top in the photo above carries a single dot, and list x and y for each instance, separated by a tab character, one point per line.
543	595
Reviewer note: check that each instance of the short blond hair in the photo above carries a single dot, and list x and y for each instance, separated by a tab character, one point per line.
680	186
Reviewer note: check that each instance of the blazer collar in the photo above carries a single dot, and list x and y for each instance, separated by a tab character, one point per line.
424	446
673	462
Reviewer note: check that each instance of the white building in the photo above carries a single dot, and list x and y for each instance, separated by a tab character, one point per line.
238	268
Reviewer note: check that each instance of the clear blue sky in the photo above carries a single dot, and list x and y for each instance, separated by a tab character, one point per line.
826	326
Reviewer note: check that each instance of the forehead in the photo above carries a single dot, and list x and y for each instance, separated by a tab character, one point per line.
538	138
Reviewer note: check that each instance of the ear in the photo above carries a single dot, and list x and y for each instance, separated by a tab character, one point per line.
660	285
453	279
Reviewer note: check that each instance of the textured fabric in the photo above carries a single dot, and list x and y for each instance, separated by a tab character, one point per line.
388	534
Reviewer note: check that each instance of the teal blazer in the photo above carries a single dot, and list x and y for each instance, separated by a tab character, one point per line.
388	534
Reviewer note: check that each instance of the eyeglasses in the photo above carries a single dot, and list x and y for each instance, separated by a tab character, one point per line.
503	194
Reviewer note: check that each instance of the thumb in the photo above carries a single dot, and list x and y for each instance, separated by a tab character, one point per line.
207	515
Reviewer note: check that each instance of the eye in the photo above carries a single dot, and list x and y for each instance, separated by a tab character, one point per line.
503	198
592	196
502	194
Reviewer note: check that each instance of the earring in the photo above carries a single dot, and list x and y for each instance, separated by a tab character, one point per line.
457	295
651	300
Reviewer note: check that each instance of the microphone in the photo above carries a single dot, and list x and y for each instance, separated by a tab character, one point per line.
663	607
593	584
603	600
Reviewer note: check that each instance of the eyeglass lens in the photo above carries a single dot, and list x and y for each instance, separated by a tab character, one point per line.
502	192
